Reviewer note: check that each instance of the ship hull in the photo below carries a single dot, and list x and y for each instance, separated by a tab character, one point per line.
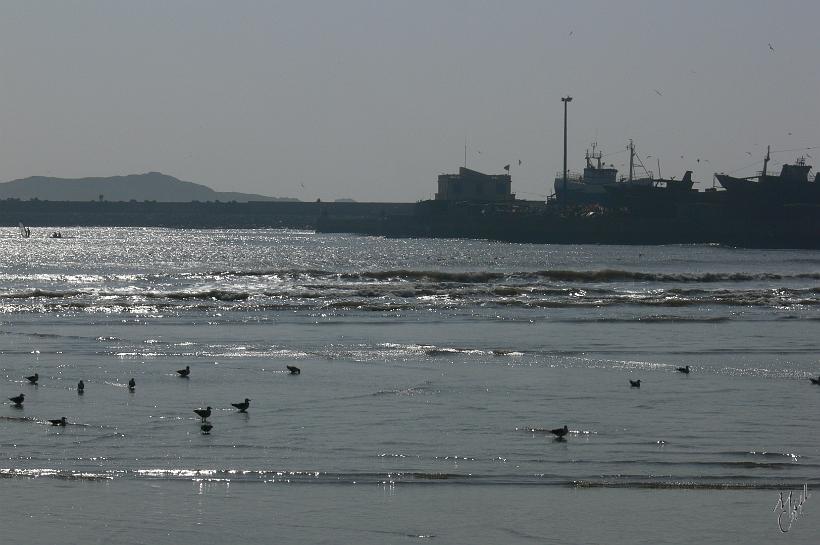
730	183
771	190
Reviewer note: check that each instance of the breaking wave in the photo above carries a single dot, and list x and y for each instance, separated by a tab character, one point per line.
564	275
406	478
403	290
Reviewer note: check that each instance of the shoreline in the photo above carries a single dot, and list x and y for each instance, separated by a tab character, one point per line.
154	512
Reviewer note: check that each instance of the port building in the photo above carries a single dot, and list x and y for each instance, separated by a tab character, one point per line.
471	185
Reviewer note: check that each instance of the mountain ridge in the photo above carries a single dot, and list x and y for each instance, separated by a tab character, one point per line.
150	186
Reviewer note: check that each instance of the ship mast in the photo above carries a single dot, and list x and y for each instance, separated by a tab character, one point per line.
595	155
631	157
766	161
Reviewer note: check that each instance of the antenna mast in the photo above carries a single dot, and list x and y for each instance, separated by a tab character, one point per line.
565	100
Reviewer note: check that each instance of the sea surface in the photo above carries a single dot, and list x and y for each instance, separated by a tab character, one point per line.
431	374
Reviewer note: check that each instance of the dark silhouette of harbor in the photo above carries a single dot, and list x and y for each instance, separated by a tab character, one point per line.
766	211
637	217
702	218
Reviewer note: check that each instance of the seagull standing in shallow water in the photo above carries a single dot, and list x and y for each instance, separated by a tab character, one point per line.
684	370
132	384
203	413
243	407
60	422
560	433
293	370
635	383
33	378
80	387
18	400
183	373
813	381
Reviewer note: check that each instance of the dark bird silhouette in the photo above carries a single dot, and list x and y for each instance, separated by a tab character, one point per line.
80	387
184	372
635	383
813	381
684	370
33	378
18	400
203	413
658	92
60	422
294	370
559	433
206	428
243	407
132	384
770	47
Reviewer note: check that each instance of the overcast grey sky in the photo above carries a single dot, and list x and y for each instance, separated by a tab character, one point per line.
373	99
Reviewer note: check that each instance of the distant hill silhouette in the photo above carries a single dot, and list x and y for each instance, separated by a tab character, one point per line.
152	186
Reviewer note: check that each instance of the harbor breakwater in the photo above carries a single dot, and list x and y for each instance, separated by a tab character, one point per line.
695	222
203	215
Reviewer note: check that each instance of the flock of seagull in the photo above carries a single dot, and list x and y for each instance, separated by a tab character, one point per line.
205	426
242	406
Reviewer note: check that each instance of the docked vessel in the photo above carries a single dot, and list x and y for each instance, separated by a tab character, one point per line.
599	185
792	185
590	185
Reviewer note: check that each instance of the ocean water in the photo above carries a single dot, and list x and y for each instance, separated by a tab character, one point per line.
432	372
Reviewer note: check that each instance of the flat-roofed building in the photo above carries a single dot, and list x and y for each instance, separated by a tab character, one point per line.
471	185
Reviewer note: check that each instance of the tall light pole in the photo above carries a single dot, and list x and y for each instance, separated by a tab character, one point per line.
565	100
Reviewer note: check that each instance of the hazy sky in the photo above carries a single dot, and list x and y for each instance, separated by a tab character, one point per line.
373	99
